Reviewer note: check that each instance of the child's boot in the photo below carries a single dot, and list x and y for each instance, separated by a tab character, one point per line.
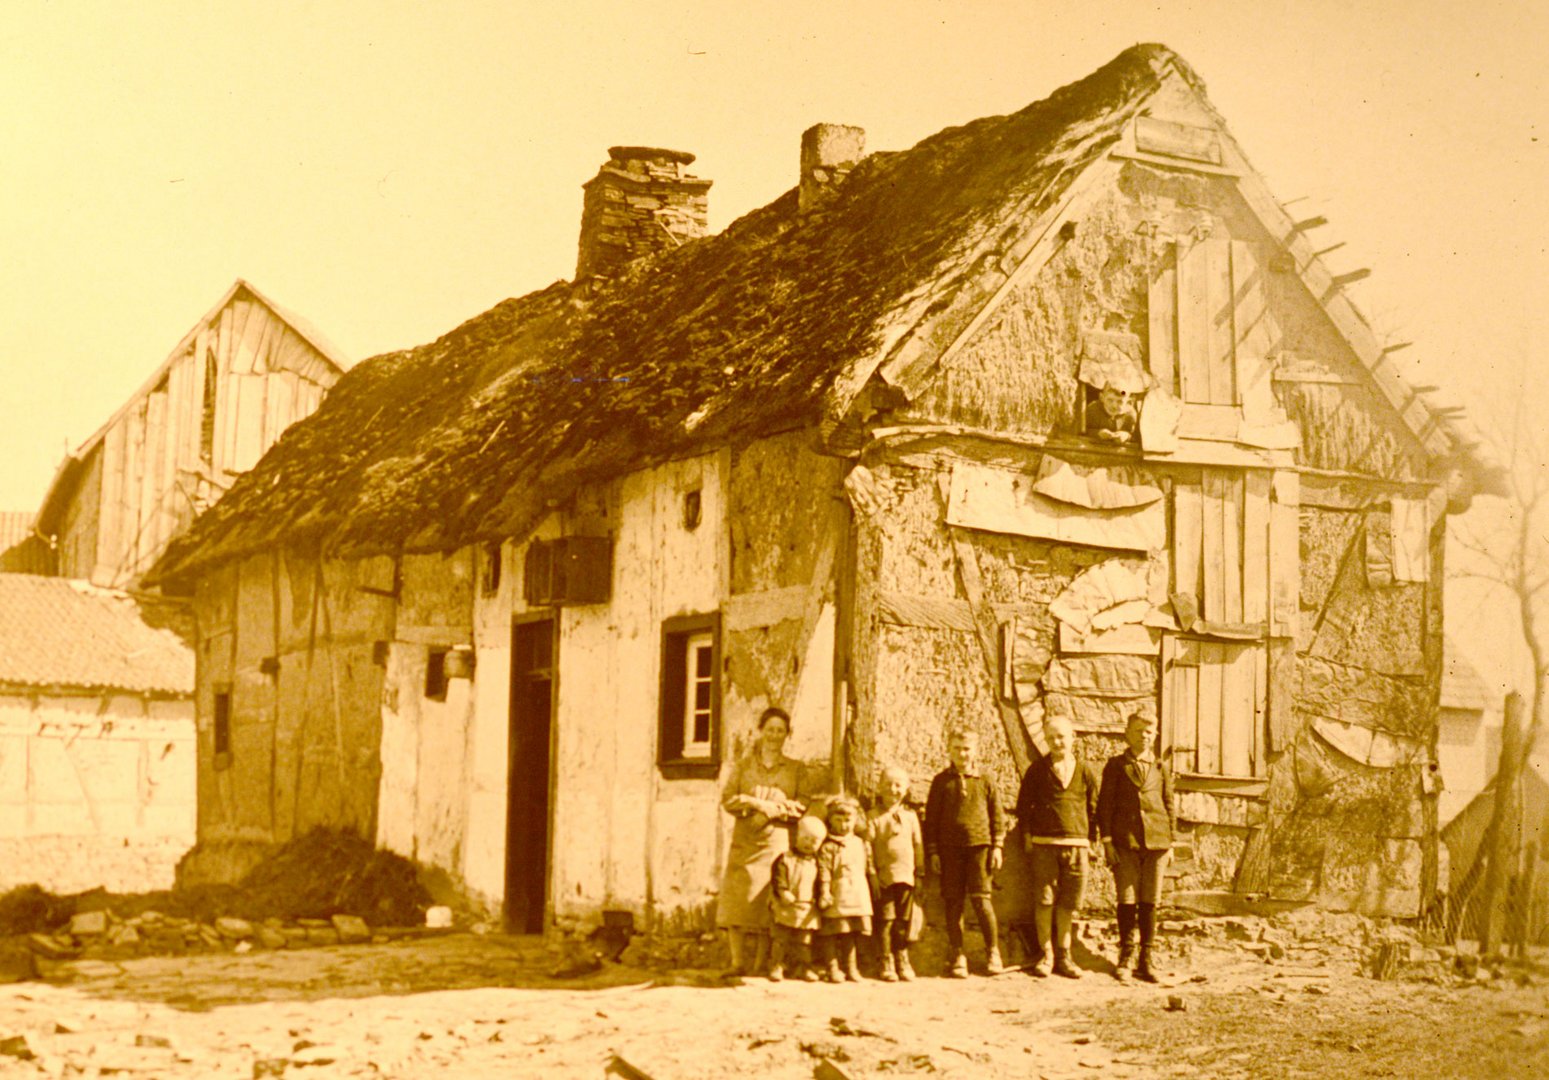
1143	970
835	972
776	971
905	968
959	968
992	962
852	967
889	968
1062	965
1121	970
809	973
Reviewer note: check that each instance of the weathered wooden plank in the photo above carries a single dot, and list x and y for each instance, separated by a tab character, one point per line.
1253	872
1231	545
1260	760
1210	672
1279	694
768	607
110	518
1253	325
1162	316
1188	538
1220	311
247	326
1284	554
166	473
1213	553
1193	324
250	421
134	478
1131	638
1255	546
1238	710
998	500
1212	423
987	628
1409	524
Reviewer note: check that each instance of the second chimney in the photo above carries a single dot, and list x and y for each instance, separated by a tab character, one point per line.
828	153
642	201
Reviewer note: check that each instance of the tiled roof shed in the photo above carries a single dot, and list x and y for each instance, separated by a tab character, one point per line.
58	634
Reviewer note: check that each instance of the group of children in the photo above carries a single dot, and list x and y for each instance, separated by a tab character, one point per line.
843	873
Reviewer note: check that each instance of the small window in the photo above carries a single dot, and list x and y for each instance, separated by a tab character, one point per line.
692	509
689	736
222	728
435	674
493	557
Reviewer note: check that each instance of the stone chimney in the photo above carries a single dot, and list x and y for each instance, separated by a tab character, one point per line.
642	201
828	153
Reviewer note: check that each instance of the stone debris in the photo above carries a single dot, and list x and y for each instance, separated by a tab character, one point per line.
233	928
16	1046
352	929
88	924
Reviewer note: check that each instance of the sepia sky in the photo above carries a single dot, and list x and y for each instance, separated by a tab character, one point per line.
388	170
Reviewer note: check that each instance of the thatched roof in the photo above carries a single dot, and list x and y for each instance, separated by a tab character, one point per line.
725	339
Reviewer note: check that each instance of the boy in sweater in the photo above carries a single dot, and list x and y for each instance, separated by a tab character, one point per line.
964	834
1057	809
898	853
1135	817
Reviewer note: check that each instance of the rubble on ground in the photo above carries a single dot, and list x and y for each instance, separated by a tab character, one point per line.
325	888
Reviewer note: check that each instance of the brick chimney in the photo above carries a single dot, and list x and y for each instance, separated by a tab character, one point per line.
828	153
642	201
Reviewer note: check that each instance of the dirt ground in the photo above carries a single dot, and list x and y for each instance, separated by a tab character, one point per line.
466	1005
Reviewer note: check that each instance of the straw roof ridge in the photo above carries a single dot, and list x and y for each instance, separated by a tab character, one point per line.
720	341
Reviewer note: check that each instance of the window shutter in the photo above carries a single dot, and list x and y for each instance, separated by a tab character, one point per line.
1210	321
1214	701
1221	542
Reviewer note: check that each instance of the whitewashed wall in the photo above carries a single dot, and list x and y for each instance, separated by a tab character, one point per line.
95	790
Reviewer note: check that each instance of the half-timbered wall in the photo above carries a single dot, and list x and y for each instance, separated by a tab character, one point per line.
1284	645
290	681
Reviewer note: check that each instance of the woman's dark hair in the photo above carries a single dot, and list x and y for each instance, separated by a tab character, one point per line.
770	713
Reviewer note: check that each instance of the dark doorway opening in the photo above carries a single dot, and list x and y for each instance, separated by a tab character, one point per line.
527	798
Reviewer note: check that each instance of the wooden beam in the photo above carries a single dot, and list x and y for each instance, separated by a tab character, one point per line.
1162	318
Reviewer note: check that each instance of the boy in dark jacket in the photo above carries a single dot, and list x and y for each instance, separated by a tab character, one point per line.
1057	810
964	834
1135	816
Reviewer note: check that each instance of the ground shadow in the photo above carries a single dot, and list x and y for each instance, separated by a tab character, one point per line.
453	962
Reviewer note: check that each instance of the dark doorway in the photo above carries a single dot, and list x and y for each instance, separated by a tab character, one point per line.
527	807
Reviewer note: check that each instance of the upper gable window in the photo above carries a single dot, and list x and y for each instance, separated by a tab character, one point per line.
1169	139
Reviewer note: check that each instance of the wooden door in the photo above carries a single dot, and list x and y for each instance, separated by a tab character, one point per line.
527	806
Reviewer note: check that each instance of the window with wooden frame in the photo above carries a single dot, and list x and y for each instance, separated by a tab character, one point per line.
221	727
493	563
435	674
689	722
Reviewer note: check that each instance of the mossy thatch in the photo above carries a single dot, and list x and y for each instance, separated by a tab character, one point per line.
723	340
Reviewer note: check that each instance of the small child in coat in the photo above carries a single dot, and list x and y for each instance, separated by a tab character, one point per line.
898	855
794	902
844	890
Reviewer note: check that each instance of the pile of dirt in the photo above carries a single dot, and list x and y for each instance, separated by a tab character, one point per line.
324	873
329	872
29	909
